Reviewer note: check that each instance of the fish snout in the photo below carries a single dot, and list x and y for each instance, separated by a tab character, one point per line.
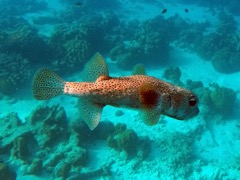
192	112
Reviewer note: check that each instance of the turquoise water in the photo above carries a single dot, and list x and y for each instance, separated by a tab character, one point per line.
191	44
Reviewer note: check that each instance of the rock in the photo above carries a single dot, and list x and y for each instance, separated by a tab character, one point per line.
173	74
36	167
77	156
62	169
119	113
103	130
124	139
128	141
6	173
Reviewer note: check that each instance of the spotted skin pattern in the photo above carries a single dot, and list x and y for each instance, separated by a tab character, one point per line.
151	96
138	92
43	83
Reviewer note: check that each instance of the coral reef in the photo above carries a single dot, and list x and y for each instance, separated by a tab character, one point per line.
46	143
25	40
119	113
223	100
53	122
221	47
12	8
173	74
127	141
177	152
14	73
149	45
61	170
74	45
36	167
127	55
138	69
6	173
225	61
104	170
219	102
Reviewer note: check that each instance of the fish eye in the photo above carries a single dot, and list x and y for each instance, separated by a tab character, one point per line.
192	101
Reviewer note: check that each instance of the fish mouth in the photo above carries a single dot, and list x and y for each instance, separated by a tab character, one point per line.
189	114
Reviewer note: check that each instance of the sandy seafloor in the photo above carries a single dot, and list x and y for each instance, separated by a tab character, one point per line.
216	150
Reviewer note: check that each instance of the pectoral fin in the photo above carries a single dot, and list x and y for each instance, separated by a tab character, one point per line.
149	116
90	112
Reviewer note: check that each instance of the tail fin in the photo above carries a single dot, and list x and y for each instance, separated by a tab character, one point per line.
47	84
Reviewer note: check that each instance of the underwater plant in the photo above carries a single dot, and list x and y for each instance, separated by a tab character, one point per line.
138	69
173	74
223	100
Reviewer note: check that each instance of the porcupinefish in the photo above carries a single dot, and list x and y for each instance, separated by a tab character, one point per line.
151	96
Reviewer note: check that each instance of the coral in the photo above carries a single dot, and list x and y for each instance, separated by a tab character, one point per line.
104	170
202	92
126	140
138	69
173	74
177	150
75	53
223	100
227	24
149	45
103	130
225	61
20	149
62	169
72	49
53	160
36	167
11	128
12	8
208	45
76	157
85	135
14	73
144	148
119	113
234	8
75	44
54	125
127	55
221	47
25	40
6	173
120	128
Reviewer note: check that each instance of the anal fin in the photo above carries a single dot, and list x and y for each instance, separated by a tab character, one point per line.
90	112
149	116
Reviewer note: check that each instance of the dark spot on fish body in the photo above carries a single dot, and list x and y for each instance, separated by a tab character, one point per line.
148	96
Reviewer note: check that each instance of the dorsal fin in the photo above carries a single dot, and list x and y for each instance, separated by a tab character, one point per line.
95	68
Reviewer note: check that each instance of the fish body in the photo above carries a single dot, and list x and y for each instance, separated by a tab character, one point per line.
151	96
